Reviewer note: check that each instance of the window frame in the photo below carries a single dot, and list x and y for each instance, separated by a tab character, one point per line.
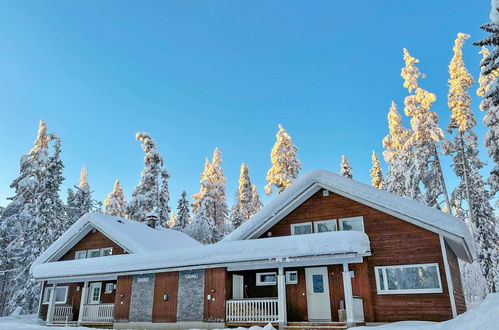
340	223
107	286
93	250
101	252
80	251
317	223
46	295
386	290
294	225
288	280
260	283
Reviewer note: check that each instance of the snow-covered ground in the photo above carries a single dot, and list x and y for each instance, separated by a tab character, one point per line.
28	322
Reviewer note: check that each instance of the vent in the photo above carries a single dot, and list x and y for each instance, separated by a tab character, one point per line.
325	193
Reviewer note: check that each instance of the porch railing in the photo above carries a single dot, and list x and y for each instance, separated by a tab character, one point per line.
99	313
251	310
63	313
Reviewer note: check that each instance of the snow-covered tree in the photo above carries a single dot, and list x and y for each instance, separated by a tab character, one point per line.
115	202
173	220
80	202
151	194
422	143
183	217
345	168
285	164
255	199
376	173
244	206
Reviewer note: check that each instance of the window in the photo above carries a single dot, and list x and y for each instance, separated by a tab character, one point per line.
324	226
423	278
318	283
109	288
266	278
106	251
301	228
61	294
292	277
355	223
81	254
93	253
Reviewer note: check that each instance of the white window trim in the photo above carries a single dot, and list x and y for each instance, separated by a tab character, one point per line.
107	248
317	223
288	274
91	250
109	286
340	222
259	283
407	291
293	225
46	293
76	253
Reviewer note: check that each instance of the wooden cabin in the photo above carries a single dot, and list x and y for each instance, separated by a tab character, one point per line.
328	251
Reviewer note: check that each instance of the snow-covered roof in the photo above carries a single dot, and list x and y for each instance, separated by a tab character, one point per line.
133	236
455	231
332	244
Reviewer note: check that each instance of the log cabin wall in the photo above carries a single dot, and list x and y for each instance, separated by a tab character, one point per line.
393	242
164	309
93	240
123	296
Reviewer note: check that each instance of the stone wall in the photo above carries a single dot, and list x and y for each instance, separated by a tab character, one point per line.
190	295
142	298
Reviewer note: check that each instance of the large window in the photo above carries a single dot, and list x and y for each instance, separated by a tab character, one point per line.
269	278
325	226
61	294
301	228
402	279
355	223
82	254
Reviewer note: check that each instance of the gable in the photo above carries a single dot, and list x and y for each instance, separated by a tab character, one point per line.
93	240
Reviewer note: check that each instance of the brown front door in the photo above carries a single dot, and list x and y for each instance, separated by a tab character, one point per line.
214	295
164	308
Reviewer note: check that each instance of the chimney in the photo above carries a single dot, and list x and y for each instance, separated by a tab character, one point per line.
151	219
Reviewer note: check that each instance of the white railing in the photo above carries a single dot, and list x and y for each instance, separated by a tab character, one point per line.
251	310
99	313
63	313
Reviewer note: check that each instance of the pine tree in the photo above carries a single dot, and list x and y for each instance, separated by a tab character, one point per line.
422	143
255	199
376	173
172	222
397	157
151	194
115	202
285	164
244	206
345	169
80	202
183	217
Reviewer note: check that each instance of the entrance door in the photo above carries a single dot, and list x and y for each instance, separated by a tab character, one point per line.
94	291
237	287
318	303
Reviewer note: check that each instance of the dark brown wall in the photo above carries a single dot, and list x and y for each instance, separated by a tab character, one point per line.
165	284
122	298
296	297
252	290
393	242
456	280
214	285
74	298
93	240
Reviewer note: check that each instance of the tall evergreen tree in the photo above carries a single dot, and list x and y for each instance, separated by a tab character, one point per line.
345	169
151	194
115	202
255	199
285	164
376	173
80	203
183	217
244	206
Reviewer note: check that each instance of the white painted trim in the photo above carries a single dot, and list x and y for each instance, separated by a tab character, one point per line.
316	223
288	275
281	297
348	293
448	276
301	224
405	291
340	222
83	299
260	283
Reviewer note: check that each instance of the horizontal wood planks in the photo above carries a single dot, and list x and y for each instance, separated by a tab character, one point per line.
93	240
165	310
456	280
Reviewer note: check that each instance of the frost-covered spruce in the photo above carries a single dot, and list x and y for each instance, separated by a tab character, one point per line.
151	194
376	172
79	202
285	163
183	217
345	168
115	202
255	199
244	206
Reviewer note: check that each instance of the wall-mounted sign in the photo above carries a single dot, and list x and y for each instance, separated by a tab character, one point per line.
143	280
191	276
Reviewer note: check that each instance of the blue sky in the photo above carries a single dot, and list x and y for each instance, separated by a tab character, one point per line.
201	74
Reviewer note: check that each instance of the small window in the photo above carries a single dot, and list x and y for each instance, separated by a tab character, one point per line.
93	253
106	252
266	278
355	223
81	254
292	277
109	288
61	294
325	226
423	278
301	228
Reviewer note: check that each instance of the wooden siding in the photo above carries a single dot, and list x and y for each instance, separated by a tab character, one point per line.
93	240
165	284
393	242
122	298
296	297
214	285
73	298
456	280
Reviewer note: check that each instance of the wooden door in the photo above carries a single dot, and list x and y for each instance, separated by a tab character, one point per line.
319	307
214	294
122	298
164	308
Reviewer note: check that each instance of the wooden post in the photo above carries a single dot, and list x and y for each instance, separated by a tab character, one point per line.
51	308
83	300
347	288
281	297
